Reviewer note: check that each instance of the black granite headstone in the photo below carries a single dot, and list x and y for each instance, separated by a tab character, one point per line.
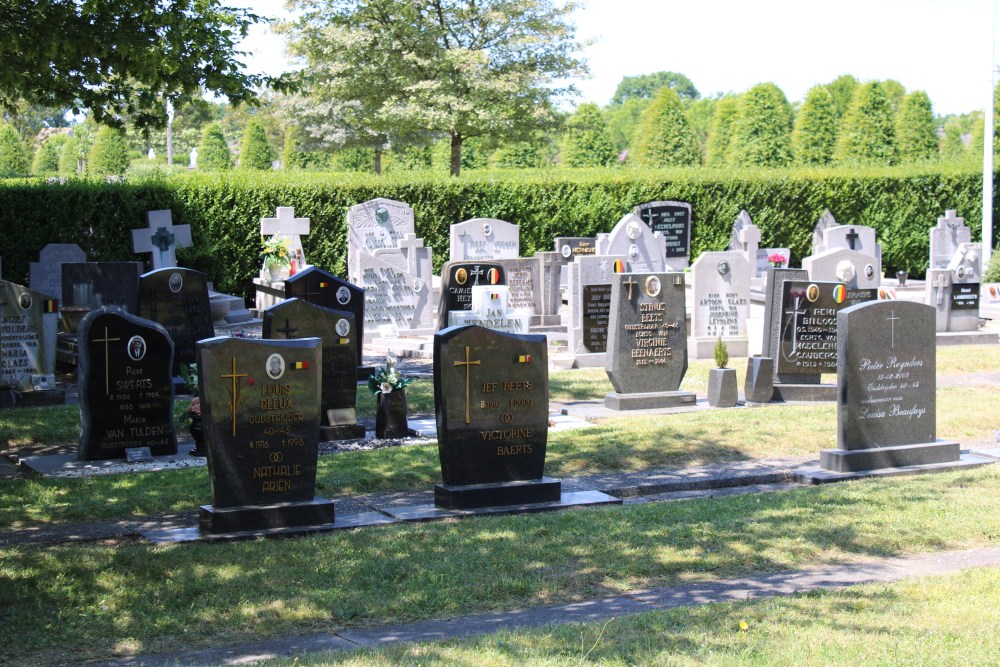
571	247
596	310
457	281
322	288
673	220
965	296
126	387
261	416
295	318
886	412
96	284
491	395
177	298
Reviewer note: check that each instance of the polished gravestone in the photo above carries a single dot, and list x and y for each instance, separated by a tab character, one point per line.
261	415
28	323
177	298
491	395
457	281
294	318
325	289
90	285
647	344
126	386
673	220
886	410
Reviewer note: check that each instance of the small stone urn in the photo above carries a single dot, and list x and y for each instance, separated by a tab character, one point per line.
901	276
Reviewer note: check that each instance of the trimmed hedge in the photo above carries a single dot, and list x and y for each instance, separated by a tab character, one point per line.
224	209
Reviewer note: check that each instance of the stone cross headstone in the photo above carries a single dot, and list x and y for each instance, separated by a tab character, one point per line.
260	403
322	288
28	323
950	233
491	393
294	318
745	237
672	219
721	286
647	344
45	275
484	240
457	281
284	223
177	298
126	386
954	290
396	301
886	382
161	237
589	310
374	225
643	247
826	221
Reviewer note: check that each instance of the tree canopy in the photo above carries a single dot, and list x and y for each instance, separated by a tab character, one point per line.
762	133
645	86
664	137
868	130
464	68
123	57
815	133
587	142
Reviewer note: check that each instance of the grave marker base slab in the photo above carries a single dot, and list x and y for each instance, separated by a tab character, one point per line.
472	496
316	512
167	535
31	399
649	400
343	432
820	476
899	456
563	501
784	391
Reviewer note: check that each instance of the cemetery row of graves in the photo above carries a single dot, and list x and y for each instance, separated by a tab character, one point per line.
283	376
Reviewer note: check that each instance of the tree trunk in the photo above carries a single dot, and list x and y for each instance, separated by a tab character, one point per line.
170	136
378	163
456	153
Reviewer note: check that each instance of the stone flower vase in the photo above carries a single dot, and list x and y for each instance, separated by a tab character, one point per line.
722	391
390	415
274	270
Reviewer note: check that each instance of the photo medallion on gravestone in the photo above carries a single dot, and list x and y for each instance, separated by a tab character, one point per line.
457	281
322	288
491	397
261	416
177	298
294	318
126	386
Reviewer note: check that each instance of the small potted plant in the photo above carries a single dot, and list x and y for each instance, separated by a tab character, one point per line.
274	251
189	374
389	388
722	392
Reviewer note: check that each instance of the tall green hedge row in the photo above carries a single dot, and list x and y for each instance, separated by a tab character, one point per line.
224	209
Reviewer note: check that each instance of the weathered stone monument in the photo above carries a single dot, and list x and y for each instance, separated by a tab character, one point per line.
721	303
951	232
637	242
261	417
90	285
28	323
589	310
647	344
45	275
397	301
378	224
126	386
484	240
161	238
952	282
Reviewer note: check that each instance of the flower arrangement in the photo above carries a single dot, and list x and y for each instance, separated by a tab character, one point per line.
274	251
776	260
386	378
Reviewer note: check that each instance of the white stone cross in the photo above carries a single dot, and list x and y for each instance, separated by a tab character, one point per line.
161	238
286	224
409	245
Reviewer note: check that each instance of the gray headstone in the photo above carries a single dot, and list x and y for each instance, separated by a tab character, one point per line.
177	298
758	386
45	275
590	301
826	221
126	386
484	240
294	318
721	303
410	256
745	237
375	224
643	247
260	404
782	257
855	269
28	323
161	238
396	301
773	316
524	278
950	233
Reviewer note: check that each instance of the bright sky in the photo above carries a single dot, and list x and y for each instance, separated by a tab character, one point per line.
942	47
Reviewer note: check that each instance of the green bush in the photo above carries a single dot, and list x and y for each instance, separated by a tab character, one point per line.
587	142
13	157
992	272
46	160
664	137
224	209
720	132
762	133
815	133
868	133
255	152
69	157
109	154
213	151
916	131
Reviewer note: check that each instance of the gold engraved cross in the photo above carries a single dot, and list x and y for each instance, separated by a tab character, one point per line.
235	400
106	340
467	363
630	283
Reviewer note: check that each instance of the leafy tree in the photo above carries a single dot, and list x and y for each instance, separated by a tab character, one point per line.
645	87
700	113
867	133
894	92
531	153
915	128
586	142
953	149
762	133
815	133
69	157
842	90
721	131
109	154
13	157
213	151
622	119
255	153
466	68
31	119
46	160
122	58
664	137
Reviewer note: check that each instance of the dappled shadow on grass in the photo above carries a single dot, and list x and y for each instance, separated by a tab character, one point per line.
229	592
413	467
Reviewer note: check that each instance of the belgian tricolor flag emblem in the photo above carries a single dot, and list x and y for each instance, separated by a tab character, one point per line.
494	295
493	275
522	359
619	266
345	341
324	284
51	305
300	365
839	293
